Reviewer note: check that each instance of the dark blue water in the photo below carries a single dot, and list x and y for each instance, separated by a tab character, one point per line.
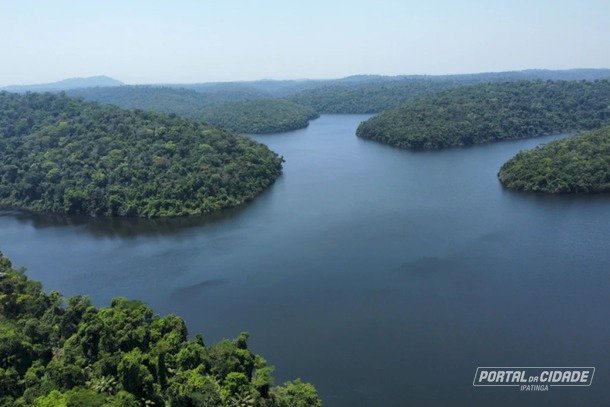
383	276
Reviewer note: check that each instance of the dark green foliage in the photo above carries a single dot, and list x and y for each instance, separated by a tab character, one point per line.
260	116
579	164
483	113
63	155
67	352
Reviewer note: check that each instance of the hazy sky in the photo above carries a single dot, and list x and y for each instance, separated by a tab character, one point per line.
220	40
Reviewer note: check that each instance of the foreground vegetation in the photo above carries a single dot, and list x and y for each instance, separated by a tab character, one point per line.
59	154
579	164
260	116
484	113
59	352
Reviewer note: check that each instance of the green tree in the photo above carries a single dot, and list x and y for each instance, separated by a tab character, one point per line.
297	394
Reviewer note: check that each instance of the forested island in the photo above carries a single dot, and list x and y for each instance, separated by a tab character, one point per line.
260	116
578	164
483	113
66	352
63	155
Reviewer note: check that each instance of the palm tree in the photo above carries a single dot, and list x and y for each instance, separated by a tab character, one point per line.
105	384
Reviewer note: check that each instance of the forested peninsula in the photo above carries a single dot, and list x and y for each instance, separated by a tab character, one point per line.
578	164
60	352
260	116
483	113
63	155
242	109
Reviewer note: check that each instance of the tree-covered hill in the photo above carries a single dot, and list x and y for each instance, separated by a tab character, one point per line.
59	154
483	113
579	164
367	96
240	108
375	93
66	352
260	116
228	91
183	102
352	94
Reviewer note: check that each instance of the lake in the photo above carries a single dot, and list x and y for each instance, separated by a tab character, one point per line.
385	277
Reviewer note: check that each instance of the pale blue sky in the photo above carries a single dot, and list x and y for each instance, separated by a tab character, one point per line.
214	40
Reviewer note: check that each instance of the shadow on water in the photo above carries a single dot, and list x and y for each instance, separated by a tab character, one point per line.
555	200
195	290
124	227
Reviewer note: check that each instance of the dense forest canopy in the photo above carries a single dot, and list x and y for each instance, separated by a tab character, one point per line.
482	113
578	164
59	154
367	97
237	108
60	352
184	102
260	116
352	94
374	93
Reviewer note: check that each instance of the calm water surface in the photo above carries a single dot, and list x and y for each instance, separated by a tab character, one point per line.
383	276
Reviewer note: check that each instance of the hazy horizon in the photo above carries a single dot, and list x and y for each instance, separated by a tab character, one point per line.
296	79
210	41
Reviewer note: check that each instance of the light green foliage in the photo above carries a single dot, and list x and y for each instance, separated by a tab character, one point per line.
490	112
53	399
66	352
59	154
297	394
578	164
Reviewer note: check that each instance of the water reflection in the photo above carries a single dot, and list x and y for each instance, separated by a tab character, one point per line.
121	227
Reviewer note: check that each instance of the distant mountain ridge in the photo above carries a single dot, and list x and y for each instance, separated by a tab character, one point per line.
265	88
66	84
351	94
